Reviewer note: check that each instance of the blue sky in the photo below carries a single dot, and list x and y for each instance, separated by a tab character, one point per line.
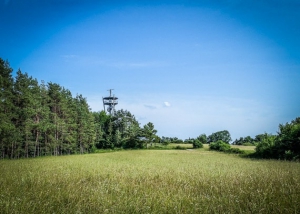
190	67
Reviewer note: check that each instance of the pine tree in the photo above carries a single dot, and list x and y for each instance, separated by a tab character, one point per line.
28	104
85	125
8	135
55	98
100	119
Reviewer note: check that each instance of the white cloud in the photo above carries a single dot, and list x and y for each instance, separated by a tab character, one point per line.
167	104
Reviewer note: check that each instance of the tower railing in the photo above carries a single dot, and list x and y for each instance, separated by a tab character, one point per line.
110	101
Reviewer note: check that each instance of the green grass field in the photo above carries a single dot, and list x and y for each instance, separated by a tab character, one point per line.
149	181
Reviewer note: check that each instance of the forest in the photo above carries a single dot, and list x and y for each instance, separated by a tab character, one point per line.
41	119
45	119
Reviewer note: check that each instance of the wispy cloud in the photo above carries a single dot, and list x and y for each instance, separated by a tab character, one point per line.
6	2
150	106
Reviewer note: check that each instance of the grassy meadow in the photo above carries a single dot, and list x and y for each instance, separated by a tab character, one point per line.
149	181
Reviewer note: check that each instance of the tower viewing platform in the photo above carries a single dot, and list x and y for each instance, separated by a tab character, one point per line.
111	101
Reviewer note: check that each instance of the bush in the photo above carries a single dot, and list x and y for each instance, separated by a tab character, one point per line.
224	147
219	146
93	149
165	142
235	151
197	144
180	147
266	148
285	145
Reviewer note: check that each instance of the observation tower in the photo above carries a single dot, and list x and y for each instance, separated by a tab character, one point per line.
110	101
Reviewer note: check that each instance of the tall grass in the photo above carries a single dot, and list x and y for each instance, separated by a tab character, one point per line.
149	181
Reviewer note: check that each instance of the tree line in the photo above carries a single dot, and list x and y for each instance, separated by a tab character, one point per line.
45	119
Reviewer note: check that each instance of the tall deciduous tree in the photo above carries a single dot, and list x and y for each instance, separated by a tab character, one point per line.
202	138
220	135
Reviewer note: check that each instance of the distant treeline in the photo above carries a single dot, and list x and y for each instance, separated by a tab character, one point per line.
45	119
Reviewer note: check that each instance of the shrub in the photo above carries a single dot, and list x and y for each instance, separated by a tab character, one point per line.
224	147
165	142
219	146
197	144
93	149
266	148
180	147
235	151
285	145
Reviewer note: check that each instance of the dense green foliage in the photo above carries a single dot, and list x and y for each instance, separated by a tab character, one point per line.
220	135
224	147
167	140
45	119
38	120
249	141
149	181
285	145
195	142
202	138
122	130
219	145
